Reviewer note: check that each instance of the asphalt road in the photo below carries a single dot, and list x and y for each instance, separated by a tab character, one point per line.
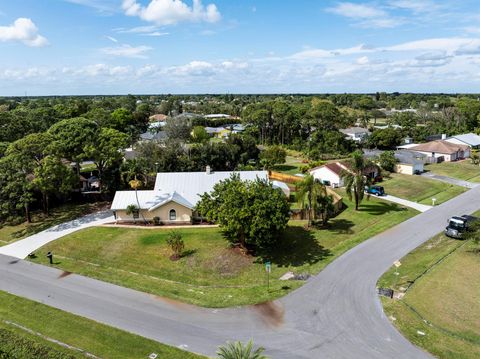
337	314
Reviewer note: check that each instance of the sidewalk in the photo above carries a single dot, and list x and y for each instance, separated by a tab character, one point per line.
22	248
406	203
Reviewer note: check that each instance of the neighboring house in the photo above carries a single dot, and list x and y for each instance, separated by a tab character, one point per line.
330	174
441	150
175	195
470	139
217	115
219	132
129	154
160	136
409	162
158	118
357	134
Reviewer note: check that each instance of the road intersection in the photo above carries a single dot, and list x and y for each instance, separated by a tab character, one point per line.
336	314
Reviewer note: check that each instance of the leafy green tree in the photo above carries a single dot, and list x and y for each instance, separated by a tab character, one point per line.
52	177
71	136
106	149
250	213
310	193
469	109
272	155
199	134
387	161
475	159
354	178
237	350
324	115
385	139
178	129
16	188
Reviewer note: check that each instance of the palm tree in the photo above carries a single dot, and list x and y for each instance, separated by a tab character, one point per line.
354	178
309	193
237	350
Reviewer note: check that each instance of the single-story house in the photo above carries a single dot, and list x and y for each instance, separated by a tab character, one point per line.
175	195
158	136
357	134
219	132
329	174
409	162
470	139
442	150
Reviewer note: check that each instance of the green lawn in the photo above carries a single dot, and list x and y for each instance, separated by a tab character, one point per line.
463	170
444	300
211	274
98	339
291	166
11	233
420	189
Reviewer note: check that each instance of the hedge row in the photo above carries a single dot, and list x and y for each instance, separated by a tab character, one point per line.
14	346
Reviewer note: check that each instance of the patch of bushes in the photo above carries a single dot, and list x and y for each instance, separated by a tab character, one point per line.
14	346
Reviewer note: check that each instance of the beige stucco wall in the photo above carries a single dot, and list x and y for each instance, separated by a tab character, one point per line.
404	169
184	214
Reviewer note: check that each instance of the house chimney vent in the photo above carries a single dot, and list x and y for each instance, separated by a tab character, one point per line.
208	170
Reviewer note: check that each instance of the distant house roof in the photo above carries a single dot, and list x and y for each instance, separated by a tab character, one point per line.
335	168
439	146
154	136
160	117
354	130
409	157
470	139
217	115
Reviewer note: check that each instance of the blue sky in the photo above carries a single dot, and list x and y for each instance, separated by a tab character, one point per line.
218	46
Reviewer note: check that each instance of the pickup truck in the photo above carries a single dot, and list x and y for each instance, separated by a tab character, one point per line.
458	225
376	190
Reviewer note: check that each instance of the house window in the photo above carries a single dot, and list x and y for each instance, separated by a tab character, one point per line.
173	215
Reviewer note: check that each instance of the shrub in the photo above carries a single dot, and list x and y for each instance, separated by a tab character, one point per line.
156	220
176	244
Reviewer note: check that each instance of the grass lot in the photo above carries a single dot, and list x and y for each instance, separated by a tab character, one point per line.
98	339
40	222
444	300
463	170
420	189
210	274
291	166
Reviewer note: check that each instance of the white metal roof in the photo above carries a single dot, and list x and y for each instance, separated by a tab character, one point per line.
470	139
190	185
146	199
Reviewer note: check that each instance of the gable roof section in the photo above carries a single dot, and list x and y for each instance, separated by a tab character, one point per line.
470	139
174	197
191	185
439	146
353	130
149	200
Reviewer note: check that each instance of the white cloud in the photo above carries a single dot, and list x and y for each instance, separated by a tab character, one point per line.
127	51
111	39
357	11
103	6
136	30
170	12
156	34
23	30
363	60
366	15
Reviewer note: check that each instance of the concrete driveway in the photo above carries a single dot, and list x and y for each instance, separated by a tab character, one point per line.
450	180
336	314
22	248
418	206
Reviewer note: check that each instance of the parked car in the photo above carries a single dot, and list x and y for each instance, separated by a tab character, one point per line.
458	225
375	190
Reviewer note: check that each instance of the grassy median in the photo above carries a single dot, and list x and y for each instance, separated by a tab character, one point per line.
22	316
440	307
